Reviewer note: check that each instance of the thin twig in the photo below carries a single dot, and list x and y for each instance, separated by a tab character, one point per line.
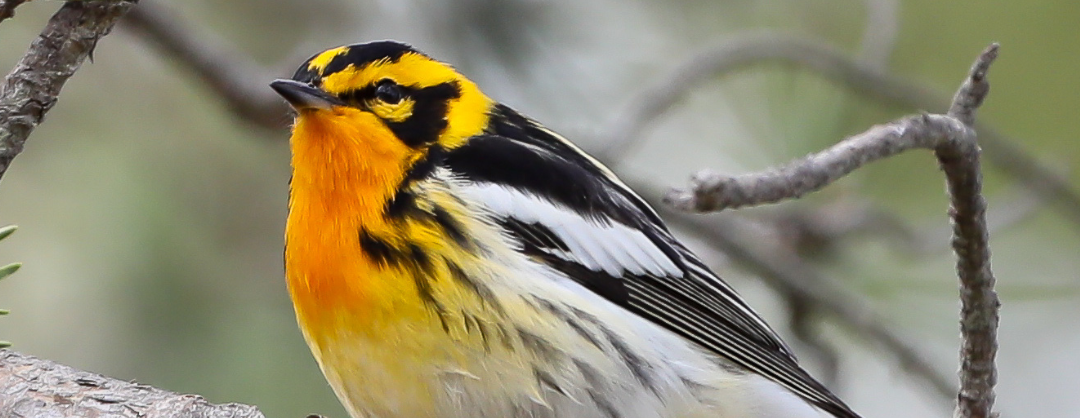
241	83
979	311
31	89
7	8
630	126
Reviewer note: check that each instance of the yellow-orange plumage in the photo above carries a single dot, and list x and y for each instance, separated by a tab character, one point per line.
346	166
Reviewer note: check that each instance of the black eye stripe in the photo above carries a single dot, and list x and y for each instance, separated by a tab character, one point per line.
428	118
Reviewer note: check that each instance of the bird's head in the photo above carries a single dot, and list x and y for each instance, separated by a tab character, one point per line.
386	92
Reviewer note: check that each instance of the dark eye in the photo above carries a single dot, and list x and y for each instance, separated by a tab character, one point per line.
388	92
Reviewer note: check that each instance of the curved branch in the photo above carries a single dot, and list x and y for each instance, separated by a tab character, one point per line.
31	89
712	191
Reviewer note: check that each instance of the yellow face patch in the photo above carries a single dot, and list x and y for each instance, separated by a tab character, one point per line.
392	112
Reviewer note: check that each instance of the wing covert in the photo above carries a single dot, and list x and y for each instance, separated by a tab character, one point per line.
570	212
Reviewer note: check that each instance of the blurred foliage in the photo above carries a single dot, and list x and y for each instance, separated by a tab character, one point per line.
153	219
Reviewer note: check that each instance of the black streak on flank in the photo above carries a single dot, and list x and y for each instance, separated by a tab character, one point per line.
378	250
453	228
591	375
403	205
539	346
504	336
570	320
421	270
414	260
545	379
640	368
483	329
481	290
604	405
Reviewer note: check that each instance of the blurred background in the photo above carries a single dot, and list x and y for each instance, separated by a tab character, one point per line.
151	217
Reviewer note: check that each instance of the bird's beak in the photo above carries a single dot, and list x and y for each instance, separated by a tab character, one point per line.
302	96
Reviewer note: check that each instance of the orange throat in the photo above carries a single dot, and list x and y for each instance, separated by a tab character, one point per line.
346	166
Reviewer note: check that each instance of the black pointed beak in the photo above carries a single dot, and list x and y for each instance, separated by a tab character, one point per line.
302	96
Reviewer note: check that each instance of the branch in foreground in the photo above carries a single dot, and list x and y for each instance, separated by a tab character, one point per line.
32	387
833	64
33	86
954	143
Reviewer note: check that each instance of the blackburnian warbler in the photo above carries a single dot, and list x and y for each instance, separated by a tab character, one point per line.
448	257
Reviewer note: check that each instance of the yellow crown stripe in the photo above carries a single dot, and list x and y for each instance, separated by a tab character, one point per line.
320	62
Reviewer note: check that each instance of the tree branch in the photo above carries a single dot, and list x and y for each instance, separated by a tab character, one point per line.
954	143
32	387
31	89
959	159
712	191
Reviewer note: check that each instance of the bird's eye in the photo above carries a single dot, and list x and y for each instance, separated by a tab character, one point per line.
388	92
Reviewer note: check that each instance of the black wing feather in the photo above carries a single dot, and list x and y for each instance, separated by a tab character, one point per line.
520	153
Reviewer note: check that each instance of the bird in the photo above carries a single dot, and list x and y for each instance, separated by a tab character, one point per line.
450	257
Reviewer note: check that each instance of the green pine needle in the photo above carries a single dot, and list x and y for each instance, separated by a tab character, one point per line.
8	269
7	230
